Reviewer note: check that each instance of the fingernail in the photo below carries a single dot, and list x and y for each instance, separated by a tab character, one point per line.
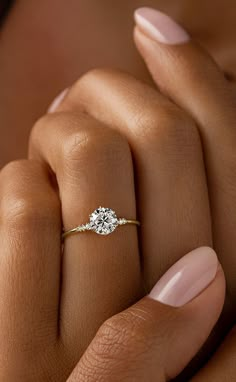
57	101
186	279
160	27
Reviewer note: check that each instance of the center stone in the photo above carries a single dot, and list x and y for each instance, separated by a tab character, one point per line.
103	221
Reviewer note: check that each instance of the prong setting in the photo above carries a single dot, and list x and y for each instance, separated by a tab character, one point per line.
103	221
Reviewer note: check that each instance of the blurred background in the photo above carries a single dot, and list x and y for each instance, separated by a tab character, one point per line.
46	45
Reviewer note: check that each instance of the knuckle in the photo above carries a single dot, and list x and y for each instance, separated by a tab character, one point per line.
102	80
81	140
94	75
101	145
112	352
124	343
159	124
23	204
39	127
77	146
11	169
121	344
93	79
54	123
122	333
19	212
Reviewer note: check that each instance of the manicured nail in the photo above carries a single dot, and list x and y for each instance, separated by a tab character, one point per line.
54	105
186	279
160	27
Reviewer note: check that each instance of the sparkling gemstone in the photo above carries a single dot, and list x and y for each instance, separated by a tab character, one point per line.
122	221
103	221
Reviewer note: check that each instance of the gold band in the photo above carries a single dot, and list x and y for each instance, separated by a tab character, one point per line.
135	222
87	227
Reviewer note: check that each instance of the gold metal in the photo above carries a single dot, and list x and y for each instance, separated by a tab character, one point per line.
136	222
86	228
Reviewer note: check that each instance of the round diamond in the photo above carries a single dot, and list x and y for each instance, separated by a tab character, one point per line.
103	221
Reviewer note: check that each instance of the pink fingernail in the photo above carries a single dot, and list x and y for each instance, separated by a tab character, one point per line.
160	27
57	101
187	278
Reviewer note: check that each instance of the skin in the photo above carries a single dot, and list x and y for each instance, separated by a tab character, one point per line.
84	145
153	333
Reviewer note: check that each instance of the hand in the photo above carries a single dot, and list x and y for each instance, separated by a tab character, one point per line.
151	341
71	151
189	77
52	306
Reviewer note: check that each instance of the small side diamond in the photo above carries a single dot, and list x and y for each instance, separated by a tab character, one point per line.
82	228
122	221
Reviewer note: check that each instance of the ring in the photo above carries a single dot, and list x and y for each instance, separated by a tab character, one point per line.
103	221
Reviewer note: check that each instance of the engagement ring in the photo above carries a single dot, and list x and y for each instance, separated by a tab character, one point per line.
103	221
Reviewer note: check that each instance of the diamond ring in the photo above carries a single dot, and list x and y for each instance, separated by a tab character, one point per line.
103	221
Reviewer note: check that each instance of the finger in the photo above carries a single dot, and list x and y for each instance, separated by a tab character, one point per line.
30	229
186	73
93	167
171	189
222	367
142	343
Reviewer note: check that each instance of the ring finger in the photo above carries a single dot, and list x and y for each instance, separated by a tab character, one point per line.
93	168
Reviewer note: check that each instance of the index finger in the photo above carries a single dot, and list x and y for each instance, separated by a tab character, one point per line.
190	77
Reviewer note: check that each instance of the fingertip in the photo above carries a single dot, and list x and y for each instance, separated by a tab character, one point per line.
187	278
160	27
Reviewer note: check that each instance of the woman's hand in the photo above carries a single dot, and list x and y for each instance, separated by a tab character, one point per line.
154	342
51	305
83	154
200	107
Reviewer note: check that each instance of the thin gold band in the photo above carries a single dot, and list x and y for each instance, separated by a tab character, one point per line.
86	227
136	222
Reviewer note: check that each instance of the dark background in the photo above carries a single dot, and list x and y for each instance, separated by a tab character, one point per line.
4	8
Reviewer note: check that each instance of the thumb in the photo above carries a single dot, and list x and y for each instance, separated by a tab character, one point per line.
156	338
